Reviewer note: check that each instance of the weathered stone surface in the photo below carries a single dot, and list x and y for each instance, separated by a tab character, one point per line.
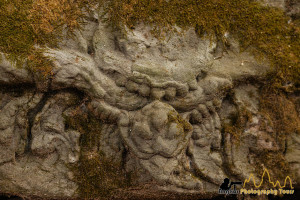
247	96
293	154
12	75
34	156
162	107
276	3
13	124
49	135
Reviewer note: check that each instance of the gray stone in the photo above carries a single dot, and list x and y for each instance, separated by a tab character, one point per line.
161	110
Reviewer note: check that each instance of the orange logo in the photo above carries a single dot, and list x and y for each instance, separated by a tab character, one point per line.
277	183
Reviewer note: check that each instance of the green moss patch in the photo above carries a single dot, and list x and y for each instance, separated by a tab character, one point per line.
96	174
237	124
182	125
280	111
27	26
275	163
267	29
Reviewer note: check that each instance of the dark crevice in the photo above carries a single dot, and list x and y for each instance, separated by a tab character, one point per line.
119	47
124	157
82	95
189	155
93	19
201	75
31	115
16	89
91	49
225	166
285	145
257	81
11	197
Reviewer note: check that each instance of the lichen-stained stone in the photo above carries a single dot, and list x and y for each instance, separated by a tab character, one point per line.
13	124
36	149
206	159
162	104
276	3
153	133
12	75
293	154
48	131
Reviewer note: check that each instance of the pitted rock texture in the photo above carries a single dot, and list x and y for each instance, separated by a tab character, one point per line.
161	103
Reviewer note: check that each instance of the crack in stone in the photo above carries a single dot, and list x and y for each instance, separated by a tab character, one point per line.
32	113
31	117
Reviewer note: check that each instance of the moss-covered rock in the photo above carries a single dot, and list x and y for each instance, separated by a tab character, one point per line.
267	29
29	26
25	24
95	174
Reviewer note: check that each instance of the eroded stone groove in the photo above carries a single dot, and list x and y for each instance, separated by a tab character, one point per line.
31	117
32	113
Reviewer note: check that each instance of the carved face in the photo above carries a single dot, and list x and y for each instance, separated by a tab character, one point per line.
179	75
